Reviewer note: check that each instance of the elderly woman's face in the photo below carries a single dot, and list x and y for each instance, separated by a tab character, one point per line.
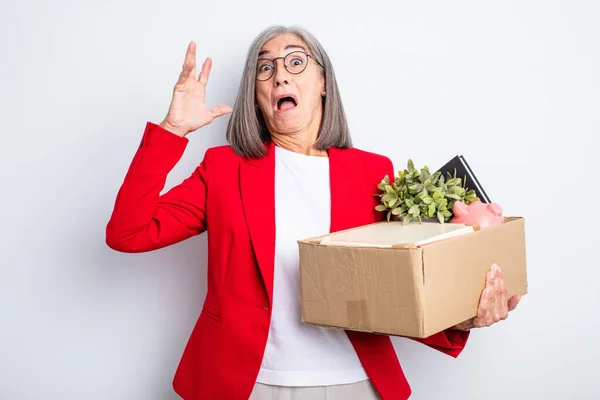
290	100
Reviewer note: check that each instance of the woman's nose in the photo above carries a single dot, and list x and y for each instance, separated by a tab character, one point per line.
281	74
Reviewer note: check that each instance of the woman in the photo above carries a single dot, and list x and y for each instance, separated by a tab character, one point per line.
290	172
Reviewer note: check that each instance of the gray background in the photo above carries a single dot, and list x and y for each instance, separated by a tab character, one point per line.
420	80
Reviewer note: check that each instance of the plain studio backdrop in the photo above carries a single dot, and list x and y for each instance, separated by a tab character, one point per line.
513	85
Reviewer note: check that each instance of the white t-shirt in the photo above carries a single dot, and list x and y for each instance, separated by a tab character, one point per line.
299	354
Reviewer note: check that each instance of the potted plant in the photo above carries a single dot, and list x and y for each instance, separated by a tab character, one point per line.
421	195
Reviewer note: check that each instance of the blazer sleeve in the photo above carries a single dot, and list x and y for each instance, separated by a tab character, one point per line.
142	219
450	341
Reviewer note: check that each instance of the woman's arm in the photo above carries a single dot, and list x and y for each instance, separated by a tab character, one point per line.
142	219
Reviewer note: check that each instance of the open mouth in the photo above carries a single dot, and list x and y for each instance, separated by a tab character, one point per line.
286	103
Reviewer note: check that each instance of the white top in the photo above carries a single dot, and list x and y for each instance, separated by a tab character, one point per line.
299	354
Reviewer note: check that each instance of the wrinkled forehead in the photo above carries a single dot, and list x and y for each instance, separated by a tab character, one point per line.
282	45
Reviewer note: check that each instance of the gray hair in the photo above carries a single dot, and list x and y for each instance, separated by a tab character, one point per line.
247	131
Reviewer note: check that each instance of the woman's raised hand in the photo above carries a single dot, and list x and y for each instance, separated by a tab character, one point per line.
187	111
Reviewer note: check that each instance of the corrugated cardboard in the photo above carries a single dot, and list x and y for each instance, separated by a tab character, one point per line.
406	291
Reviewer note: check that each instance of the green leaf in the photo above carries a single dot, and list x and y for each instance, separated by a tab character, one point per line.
446	213
440	217
409	202
388	197
406	219
397	211
380	207
431	210
452	182
386	179
411	166
427	200
437	194
381	186
471	198
393	202
389	214
416	188
414	210
419	218
389	189
418	198
452	196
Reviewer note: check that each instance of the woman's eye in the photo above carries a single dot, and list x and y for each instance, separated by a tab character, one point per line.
264	68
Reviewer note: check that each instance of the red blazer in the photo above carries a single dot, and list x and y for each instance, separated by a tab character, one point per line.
232	198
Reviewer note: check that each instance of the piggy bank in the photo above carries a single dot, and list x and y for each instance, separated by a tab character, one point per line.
477	213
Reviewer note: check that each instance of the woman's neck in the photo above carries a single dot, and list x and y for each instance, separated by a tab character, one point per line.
301	142
302	145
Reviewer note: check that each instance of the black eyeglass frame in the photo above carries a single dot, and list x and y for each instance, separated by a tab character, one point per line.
272	60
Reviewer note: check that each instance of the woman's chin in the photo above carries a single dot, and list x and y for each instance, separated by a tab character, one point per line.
287	125
287	130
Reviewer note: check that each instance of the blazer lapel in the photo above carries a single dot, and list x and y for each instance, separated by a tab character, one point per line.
346	178
257	186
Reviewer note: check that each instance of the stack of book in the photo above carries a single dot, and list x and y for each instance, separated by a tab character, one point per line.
459	165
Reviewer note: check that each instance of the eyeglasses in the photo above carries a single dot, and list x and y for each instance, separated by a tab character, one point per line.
294	62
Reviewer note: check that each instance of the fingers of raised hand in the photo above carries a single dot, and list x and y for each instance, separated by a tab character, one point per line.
220	110
205	72
189	67
189	64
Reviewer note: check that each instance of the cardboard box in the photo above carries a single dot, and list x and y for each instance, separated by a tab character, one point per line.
407	290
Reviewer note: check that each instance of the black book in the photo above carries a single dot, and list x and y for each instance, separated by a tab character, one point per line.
465	173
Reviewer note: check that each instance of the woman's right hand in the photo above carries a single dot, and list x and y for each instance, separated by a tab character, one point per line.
188	111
